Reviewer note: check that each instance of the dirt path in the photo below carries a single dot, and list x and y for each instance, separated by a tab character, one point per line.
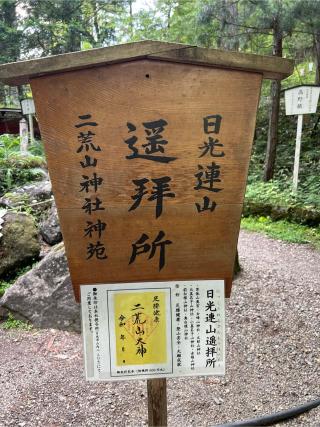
273	357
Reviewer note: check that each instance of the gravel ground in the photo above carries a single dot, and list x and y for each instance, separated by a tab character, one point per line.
273	357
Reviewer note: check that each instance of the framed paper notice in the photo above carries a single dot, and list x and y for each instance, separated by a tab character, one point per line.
151	330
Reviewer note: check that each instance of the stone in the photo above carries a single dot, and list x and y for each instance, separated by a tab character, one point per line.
278	213
44	295
256	209
305	216
38	194
4	313
50	227
19	243
302	215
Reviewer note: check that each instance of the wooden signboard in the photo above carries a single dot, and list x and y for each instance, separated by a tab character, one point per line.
148	147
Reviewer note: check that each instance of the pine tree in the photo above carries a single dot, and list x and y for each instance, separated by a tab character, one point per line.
10	38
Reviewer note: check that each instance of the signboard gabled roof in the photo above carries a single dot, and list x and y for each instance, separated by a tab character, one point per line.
271	67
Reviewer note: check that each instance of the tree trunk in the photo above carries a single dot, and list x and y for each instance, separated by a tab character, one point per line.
74	40
96	35
220	35
20	90
232	41
274	109
131	19
73	19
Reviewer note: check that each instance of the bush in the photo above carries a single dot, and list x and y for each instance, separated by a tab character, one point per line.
310	151
3	287
276	199
279	193
12	323
17	169
10	278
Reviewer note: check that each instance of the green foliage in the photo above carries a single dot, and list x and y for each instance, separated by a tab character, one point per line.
10	40
283	230
17	169
301	75
11	278
221	24
4	286
36	149
309	183
10	34
61	26
276	199
53	26
279	193
167	20
12	323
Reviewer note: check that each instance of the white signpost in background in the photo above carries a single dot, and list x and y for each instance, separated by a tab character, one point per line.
23	130
300	100
28	109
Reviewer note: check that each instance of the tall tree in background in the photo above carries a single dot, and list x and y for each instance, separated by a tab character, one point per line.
308	14
168	20
277	17
33	28
52	26
10	38
249	24
223	18
180	20
260	16
102	21
61	26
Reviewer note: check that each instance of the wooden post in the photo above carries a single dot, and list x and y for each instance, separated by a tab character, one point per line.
157	402
297	153
31	131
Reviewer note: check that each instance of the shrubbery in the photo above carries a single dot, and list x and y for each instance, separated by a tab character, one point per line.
17	169
276	198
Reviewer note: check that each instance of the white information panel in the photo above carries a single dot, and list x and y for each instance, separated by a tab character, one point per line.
301	100
151	330
27	106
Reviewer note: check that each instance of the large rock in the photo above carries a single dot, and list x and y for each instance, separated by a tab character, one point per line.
302	215
19	242
44	295
50	227
37	194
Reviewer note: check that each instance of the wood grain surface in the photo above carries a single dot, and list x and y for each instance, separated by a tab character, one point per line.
119	98
157	402
271	67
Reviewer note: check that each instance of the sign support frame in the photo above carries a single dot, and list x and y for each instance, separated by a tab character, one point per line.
28	109
24	137
31	130
157	402
297	153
